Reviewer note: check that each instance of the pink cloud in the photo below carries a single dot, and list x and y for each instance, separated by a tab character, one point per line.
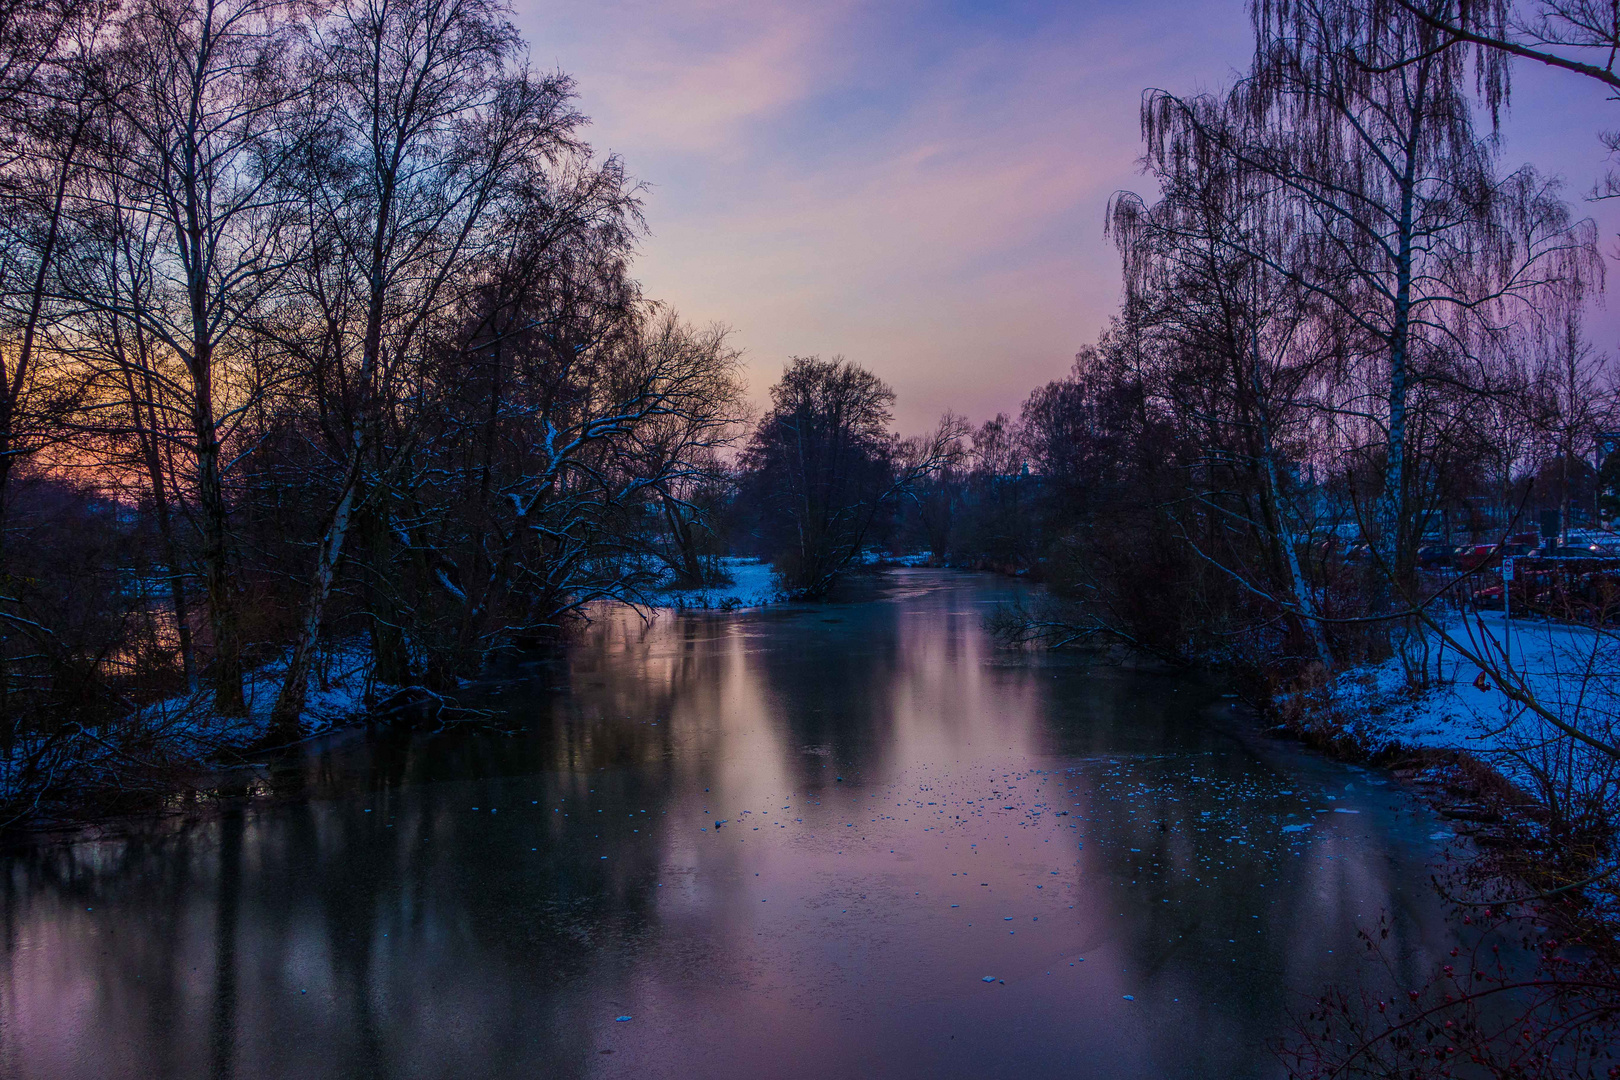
919	190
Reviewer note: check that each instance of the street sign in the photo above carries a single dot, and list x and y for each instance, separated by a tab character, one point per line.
1507	610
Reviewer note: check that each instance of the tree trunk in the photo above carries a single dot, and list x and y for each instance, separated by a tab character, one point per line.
225	668
146	434
289	707
194	242
391	661
1299	586
1395	506
691	567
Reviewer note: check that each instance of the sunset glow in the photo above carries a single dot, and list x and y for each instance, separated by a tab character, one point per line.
920	186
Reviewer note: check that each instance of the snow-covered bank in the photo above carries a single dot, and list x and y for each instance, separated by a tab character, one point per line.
336	697
75	769
1434	697
752	585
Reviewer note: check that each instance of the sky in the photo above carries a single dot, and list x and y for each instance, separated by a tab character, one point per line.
920	185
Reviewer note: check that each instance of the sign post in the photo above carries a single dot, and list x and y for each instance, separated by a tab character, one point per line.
1507	610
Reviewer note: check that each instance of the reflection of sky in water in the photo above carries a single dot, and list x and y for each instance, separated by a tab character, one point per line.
906	810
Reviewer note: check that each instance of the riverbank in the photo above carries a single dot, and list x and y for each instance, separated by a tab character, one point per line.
752	583
1535	871
1513	777
175	748
179	750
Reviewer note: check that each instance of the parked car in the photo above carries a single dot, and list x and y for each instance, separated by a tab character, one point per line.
1571	551
1436	556
1474	556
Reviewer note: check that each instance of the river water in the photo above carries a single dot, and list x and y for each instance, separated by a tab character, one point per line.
937	859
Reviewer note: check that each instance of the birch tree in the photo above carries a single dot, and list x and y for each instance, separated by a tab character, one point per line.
1237	365
424	117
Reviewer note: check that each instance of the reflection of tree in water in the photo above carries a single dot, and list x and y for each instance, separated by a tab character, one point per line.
424	931
1199	840
222	1044
393	932
828	681
59	949
444	901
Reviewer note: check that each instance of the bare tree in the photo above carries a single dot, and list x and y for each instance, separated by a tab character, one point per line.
683	449
1388	215
1578	36
541	486
523	470
1572	399
35	189
200	90
423	122
131	390
1239	366
825	465
32	35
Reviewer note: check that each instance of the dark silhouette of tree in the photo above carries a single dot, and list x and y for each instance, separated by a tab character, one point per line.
825	467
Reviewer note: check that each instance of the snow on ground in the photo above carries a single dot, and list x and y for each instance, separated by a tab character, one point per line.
752	585
873	557
183	731
1435	697
337	688
337	693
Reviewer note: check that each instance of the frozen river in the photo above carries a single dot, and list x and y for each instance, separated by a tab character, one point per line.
937	859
